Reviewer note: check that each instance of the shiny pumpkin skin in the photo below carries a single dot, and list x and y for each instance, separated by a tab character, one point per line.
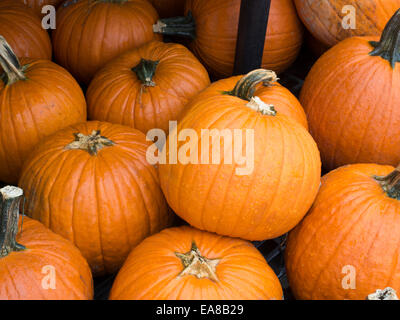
169	8
49	100
351	102
152	268
91	33
261	204
323	18
216	33
282	99
23	273
23	30
117	95
352	223
104	204
37	5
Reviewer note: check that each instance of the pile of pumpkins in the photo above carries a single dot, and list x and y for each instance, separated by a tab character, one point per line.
76	133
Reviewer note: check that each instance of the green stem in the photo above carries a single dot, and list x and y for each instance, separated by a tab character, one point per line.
390	183
389	45
13	71
177	26
145	71
10	198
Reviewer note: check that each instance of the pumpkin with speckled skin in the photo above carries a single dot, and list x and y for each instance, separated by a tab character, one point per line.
166	266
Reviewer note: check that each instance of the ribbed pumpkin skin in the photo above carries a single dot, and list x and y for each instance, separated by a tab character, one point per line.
169	8
49	100
37	5
117	95
90	33
262	204
352	223
23	30
105	204
351	101
216	33
282	99
323	18
22	273
151	270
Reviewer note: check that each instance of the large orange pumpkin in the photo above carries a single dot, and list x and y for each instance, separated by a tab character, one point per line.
90	33
169	8
37	98
35	263
330	20
347	247
184	264
261	181
147	87
91	184
23	30
37	5
351	98
215	26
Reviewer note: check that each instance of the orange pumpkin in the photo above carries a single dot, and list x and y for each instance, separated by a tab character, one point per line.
351	99
91	184
262	183
347	247
23	30
184	264
37	98
214	25
90	33
35	263
37	5
330	20
169	8
147	87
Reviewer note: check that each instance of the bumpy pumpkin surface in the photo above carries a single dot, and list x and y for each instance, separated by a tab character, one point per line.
184	264
23	30
217	191
35	263
215	27
91	184
90	33
326	19
37	98
147	87
37	5
347	247
351	98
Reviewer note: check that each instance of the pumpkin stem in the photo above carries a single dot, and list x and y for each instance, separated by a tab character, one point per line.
91	143
390	183
145	71
258	105
13	71
9	213
197	265
385	294
389	46
246	86
177	26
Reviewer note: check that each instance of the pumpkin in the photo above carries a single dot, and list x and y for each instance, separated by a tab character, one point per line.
347	247
258	176
351	99
213	25
147	87
91	184
184	264
35	263
23	30
90	33
37	98
330	20
37	5
169	8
